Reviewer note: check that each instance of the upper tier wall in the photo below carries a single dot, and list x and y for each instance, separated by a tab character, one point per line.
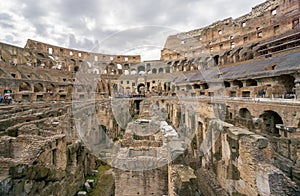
269	19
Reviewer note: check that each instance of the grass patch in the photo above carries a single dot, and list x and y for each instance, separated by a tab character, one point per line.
103	183
135	117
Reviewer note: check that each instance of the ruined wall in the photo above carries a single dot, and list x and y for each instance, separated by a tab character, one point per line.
40	151
73	60
229	157
234	40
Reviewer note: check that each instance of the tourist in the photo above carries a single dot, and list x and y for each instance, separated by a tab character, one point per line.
263	93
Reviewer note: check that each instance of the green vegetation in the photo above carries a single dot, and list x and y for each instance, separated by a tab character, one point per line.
135	117
103	182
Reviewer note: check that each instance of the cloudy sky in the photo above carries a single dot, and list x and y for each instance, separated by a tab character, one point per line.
111	26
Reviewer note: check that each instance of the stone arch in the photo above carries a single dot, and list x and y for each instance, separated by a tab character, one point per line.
120	69
115	88
251	82
34	76
41	55
238	83
141	68
216	60
76	68
141	88
50	87
227	84
24	86
111	69
119	66
196	86
188	87
204	86
168	70
270	120
73	62
133	72
160	70
96	71
245	113
38	87
288	82
154	71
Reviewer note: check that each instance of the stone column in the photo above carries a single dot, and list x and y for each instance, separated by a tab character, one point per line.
297	90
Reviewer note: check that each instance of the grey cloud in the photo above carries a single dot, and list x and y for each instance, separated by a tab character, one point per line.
5	17
81	44
6	25
112	16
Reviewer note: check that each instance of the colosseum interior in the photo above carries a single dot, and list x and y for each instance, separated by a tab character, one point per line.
222	106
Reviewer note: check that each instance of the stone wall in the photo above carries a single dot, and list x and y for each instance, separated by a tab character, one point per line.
42	154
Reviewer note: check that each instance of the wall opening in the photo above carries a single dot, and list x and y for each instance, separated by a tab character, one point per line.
38	88
246	94
216	60
227	84
251	82
270	120
24	86
238	83
232	93
244	113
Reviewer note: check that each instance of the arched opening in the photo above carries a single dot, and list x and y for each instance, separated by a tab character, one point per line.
251	82
126	66
244	113
204	86
188	87
154	71
119	66
161	70
216	60
96	71
42	55
120	69
141	69
227	84
38	88
24	86
196	86
133	72
126	72
168	70
73	62
141	88
238	83
50	88
115	87
34	76
270	120
288	82
76	68
111	69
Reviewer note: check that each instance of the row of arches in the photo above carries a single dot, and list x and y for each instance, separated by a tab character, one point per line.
269	120
38	87
141	71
